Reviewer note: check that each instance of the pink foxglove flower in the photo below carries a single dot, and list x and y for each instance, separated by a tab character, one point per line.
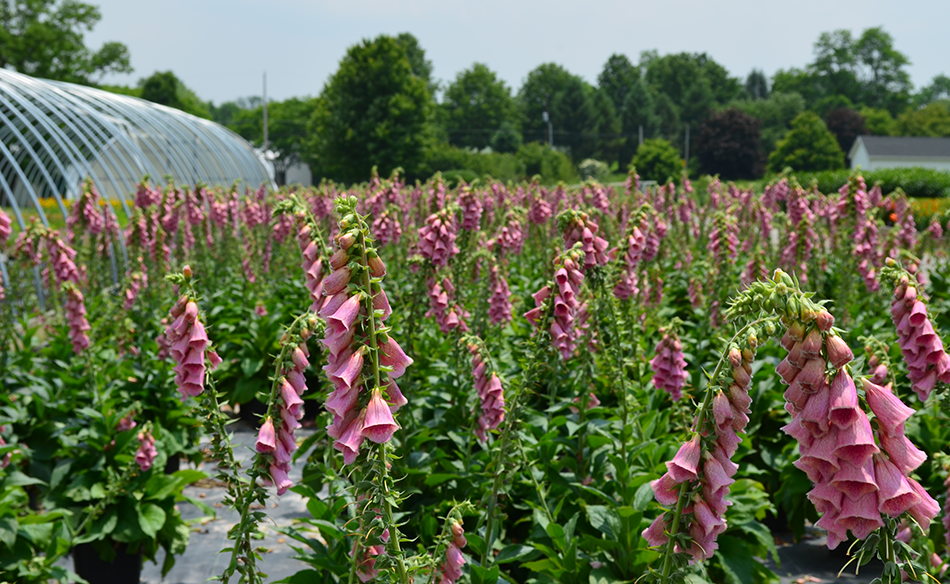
669	366
137	280
627	287
471	210
126	423
579	227
5	228
447	313
188	345
540	210
437	239
147	452
499	303
76	318
922	349
490	393
359	412
451	569
313	267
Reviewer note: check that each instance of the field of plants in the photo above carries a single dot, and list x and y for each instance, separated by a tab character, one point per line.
508	382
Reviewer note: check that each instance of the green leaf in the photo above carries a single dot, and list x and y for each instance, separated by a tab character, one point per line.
514	553
482	575
439	478
643	497
8	529
18	479
160	486
737	562
603	575
151	518
763	536
605	520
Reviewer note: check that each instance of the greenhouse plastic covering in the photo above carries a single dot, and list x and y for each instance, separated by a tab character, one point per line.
55	134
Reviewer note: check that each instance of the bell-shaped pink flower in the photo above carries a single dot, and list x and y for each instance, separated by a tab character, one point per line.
861	515
351	439
856	442
683	466
895	495
926	509
379	425
902	451
890	411
843	400
392	355
656	533
266	437
855	481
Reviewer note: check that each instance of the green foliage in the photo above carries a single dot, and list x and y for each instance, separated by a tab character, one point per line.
866	71
640	109
809	146
931	120
756	85
373	111
775	115
286	125
506	139
537	95
164	87
553	165
477	104
593	170
939	89
915	182
469	164
879	122
658	160
695	83
46	39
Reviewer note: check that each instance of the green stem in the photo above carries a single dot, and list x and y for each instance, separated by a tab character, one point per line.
711	387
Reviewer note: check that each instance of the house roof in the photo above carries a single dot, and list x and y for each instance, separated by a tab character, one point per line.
903	147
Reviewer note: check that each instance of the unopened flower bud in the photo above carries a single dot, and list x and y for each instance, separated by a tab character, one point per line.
186	271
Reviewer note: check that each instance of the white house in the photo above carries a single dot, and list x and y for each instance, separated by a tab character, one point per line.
873	152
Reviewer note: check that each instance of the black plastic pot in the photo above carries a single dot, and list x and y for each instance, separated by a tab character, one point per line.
124	569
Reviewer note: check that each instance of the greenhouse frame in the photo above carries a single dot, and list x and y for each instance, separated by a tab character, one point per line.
55	134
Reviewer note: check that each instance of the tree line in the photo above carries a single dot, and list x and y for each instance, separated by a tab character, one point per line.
383	107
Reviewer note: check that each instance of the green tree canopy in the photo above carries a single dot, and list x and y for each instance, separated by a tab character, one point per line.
575	119
879	122
939	89
421	67
658	160
476	105
756	85
808	147
775	115
931	120
286	130
867	70
165	88
536	96
373	111
695	83
46	38
639	109
618	79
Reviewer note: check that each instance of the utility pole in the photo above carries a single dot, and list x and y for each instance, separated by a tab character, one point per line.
547	120
687	148
264	145
640	143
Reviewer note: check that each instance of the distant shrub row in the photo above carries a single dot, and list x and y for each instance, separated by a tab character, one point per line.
531	159
916	182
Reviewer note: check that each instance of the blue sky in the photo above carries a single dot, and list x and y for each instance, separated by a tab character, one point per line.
220	48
